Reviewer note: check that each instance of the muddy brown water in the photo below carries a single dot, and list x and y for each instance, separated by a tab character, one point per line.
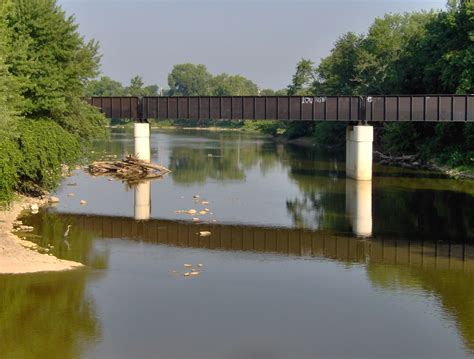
300	262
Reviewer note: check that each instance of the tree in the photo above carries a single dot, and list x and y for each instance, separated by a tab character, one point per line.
189	80
303	78
236	85
337	73
104	86
137	88
51	63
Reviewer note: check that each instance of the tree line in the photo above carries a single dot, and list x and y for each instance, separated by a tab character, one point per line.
412	53
44	66
184	80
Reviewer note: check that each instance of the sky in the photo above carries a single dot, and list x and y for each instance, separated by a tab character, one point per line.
261	40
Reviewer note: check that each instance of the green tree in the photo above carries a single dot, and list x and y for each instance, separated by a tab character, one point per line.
189	80
104	86
51	62
232	85
337	73
303	79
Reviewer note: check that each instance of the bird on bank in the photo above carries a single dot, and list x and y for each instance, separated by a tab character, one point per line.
65	235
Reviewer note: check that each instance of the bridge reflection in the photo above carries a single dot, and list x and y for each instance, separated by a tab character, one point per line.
285	241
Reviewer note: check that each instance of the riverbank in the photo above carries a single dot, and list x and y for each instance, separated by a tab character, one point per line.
20	256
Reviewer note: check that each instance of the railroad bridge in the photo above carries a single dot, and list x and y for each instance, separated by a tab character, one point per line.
359	112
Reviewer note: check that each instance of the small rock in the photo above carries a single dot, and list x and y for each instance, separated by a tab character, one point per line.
82	202
70	194
34	208
188	265
205	202
194	273
53	199
202	212
196	196
204	233
186	274
72	184
195	219
192	211
200	265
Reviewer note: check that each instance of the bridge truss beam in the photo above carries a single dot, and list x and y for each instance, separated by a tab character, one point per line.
417	108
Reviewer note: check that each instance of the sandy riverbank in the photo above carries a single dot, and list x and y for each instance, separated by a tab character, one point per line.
19	256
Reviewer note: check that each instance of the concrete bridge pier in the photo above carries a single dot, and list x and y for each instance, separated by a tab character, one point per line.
142	208
359	206
141	134
359	140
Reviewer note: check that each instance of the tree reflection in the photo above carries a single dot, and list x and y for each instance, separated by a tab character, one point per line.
46	315
452	288
78	246
221	160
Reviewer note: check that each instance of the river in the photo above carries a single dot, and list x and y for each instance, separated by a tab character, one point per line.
300	262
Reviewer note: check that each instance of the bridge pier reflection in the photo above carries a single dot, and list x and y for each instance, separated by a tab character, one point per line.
359	206
142	195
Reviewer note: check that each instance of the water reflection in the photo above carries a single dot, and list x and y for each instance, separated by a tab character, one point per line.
142	199
46	315
359	206
290	242
442	269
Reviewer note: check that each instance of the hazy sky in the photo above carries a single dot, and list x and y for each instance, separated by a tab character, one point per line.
262	40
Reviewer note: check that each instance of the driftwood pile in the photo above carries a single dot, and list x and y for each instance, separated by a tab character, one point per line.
130	169
408	161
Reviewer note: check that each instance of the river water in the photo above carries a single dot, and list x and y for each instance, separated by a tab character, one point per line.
300	262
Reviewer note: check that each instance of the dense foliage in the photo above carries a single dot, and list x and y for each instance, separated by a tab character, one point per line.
105	86
421	52
44	64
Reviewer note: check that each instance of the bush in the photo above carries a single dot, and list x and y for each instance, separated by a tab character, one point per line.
35	156
10	157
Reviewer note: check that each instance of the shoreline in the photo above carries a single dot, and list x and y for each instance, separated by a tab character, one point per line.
19	256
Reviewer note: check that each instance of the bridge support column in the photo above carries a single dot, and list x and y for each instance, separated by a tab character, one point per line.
141	134
142	208
359	141
359	206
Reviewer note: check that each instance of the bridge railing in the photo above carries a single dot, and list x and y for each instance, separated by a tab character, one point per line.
445	108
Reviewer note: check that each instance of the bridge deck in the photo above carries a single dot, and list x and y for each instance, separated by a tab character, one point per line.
420	108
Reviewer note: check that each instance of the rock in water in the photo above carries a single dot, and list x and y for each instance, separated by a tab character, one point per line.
82	202
53	199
